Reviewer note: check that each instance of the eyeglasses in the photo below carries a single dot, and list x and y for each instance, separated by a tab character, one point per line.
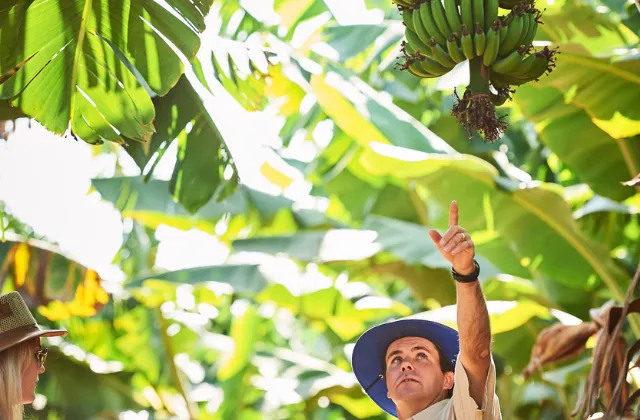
41	356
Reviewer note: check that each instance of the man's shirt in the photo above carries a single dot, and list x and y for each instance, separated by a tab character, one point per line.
461	406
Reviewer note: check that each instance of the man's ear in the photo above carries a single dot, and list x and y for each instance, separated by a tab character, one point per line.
448	380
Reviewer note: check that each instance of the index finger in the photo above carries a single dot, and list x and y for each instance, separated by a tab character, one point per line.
453	214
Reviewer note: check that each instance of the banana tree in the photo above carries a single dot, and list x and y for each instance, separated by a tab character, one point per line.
95	65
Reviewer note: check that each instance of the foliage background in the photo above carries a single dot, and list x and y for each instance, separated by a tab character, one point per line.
280	204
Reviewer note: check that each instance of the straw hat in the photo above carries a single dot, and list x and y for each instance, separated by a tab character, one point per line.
17	324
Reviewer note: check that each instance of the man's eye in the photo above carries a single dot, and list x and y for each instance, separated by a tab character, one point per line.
396	359
422	356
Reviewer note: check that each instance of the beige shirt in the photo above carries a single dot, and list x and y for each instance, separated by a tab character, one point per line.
461	406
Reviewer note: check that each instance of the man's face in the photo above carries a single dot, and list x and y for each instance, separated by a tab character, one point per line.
413	372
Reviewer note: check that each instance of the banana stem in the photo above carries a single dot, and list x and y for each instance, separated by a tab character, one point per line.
479	76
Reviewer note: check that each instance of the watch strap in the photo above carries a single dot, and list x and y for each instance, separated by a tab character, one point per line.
469	278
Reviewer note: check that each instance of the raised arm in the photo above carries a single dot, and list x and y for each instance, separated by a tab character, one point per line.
474	329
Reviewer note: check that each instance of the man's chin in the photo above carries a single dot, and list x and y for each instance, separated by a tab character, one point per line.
409	390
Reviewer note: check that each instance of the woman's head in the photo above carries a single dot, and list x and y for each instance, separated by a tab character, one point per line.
20	366
21	358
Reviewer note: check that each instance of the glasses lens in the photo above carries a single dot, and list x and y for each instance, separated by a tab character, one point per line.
41	355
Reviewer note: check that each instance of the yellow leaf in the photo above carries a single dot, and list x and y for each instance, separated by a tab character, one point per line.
21	264
55	311
290	10
350	120
346	328
362	407
619	126
280	86
274	176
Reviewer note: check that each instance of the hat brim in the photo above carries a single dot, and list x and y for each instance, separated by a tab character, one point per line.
371	347
15	337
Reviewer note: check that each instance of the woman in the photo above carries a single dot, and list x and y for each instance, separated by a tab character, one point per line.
21	357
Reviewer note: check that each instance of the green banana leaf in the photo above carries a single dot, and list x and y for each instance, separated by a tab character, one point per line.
202	155
534	220
150	204
96	63
351	40
365	116
577	22
327	305
68	381
244	278
58	287
606	88
597	159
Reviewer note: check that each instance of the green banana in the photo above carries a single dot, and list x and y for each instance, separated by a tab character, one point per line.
408	49
514	31
478	12
437	11
416	70
420	29
522	67
496	82
510	63
433	67
416	43
466	13
430	25
440	55
500	98
525	28
538	66
407	18
451	11
510	4
467	43
454	51
490	13
479	40
533	29
504	27
493	44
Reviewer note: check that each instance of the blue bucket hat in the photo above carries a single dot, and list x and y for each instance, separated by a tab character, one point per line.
371	347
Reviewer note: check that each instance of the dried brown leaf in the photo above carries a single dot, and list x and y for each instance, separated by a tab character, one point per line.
559	342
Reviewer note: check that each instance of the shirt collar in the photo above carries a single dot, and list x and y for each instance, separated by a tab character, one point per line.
431	411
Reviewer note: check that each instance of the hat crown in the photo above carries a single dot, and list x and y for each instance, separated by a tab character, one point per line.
14	313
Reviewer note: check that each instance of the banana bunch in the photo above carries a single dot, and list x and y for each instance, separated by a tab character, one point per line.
440	34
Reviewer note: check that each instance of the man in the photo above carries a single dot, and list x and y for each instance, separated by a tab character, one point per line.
409	367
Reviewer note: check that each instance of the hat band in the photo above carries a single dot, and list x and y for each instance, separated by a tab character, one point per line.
16	335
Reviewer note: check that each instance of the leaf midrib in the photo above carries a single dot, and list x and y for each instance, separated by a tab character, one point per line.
577	245
76	57
604	67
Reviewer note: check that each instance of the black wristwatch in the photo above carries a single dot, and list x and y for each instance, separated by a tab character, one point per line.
469	278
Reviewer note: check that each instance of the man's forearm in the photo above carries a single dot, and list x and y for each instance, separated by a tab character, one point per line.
475	337
473	323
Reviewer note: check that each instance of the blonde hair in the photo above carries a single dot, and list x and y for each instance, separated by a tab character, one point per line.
13	362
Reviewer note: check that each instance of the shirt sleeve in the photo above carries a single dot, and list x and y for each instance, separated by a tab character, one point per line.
464	406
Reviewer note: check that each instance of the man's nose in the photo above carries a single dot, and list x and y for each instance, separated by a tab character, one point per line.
406	366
